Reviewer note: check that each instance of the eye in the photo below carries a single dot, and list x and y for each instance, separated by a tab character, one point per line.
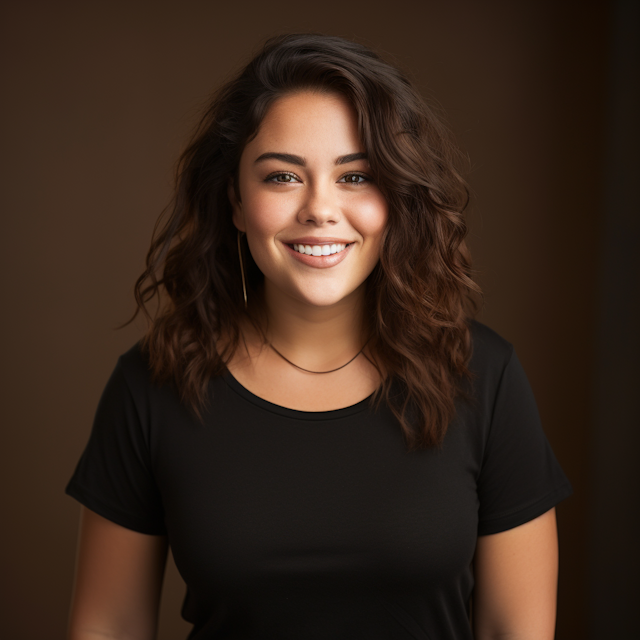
282	178
354	178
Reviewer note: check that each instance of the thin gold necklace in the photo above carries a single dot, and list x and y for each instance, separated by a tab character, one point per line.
309	371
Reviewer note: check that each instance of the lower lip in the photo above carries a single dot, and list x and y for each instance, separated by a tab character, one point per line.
320	262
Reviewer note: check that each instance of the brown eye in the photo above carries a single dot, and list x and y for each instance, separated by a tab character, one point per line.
282	178
354	178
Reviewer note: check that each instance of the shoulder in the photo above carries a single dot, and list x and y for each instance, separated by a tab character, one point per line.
134	395
135	359
133	366
490	352
132	376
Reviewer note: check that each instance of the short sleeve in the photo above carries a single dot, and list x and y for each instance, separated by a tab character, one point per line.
520	478
114	475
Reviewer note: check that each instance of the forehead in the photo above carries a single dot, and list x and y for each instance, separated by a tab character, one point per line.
308	123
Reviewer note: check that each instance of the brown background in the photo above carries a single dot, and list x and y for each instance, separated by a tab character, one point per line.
99	98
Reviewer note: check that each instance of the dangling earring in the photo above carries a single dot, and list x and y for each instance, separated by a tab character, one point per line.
244	286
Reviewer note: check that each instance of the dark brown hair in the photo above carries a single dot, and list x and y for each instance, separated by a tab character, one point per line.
420	294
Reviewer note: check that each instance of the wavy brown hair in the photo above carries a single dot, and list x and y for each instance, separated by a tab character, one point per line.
420	295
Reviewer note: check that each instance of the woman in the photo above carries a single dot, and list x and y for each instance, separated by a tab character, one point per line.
330	444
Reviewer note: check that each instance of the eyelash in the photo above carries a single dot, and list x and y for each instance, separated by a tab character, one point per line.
271	177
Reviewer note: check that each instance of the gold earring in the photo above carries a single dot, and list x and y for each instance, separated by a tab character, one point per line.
244	286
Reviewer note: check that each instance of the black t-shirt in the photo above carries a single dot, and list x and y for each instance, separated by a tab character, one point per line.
290	524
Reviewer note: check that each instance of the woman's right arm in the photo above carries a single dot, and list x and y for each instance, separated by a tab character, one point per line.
119	575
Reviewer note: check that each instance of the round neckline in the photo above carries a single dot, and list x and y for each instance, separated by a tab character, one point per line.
296	414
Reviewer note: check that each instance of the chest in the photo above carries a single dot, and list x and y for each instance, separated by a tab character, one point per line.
253	494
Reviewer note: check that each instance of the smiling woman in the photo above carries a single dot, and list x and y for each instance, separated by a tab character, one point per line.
330	444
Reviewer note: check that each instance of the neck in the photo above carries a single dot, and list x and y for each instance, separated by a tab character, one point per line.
318	337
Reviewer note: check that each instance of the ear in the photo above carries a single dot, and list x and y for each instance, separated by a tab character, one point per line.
236	206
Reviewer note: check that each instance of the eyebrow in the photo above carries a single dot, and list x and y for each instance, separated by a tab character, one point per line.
301	162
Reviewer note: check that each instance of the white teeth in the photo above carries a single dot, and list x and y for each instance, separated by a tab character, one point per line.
319	249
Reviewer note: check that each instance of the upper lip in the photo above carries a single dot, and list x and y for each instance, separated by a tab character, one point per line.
311	241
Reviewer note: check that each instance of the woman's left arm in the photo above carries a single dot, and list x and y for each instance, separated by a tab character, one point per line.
516	581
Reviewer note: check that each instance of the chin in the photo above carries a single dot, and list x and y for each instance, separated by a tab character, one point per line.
324	297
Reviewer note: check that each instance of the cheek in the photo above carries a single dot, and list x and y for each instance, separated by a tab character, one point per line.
371	219
264	219
265	216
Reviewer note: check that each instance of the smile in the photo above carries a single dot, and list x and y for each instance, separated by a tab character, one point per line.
319	249
319	256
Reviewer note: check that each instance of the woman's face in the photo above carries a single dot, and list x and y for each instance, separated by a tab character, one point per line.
313	216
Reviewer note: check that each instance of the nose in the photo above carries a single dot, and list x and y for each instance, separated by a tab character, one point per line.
320	206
